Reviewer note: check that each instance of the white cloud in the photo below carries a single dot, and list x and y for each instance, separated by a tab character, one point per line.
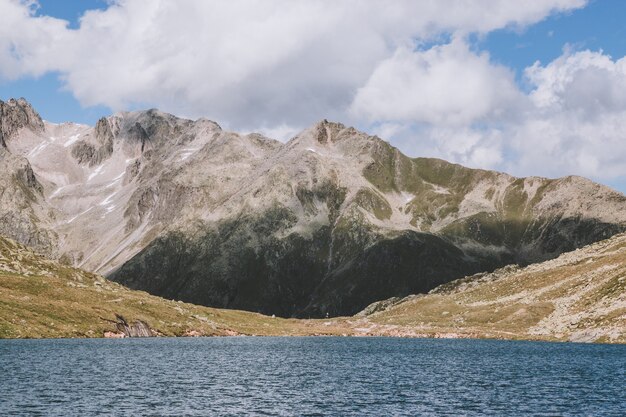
276	66
281	132
26	42
470	146
246	63
587	82
573	121
445	85
578	122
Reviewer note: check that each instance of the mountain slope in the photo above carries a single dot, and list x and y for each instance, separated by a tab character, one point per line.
43	298
322	225
24	213
579	296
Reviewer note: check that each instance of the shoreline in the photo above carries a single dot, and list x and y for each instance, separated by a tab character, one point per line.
435	336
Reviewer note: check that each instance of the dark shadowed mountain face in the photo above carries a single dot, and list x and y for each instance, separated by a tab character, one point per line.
322	225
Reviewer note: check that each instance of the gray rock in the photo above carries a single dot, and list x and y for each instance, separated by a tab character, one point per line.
379	306
136	329
90	154
15	115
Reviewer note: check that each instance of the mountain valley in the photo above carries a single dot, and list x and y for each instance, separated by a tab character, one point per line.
579	296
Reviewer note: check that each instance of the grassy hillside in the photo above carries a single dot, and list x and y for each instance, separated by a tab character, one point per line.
580	296
42	298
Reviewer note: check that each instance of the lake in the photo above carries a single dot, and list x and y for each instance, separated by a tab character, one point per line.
309	376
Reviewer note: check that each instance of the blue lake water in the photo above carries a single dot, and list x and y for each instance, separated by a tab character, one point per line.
309	376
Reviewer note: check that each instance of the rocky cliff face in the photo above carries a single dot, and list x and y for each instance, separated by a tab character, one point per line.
321	225
24	213
16	115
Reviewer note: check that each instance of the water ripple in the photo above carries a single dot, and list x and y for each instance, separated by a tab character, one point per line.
309	377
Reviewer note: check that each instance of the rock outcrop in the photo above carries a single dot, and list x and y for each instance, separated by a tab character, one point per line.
137	328
94	154
324	224
15	115
24	213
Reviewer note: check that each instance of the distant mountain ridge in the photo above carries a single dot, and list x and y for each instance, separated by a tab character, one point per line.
324	224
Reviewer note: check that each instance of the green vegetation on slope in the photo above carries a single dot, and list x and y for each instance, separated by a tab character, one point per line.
42	298
580	296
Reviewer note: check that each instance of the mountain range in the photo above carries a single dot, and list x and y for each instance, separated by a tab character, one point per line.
322	225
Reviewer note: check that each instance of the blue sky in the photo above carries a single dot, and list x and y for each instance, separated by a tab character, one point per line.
598	26
284	89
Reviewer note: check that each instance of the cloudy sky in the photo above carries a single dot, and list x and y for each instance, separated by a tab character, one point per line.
531	88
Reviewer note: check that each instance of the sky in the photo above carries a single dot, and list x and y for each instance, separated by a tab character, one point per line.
530	88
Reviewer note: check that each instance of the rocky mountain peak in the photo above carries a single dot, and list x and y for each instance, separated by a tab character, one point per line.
15	115
103	131
151	129
326	131
204	122
333	137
